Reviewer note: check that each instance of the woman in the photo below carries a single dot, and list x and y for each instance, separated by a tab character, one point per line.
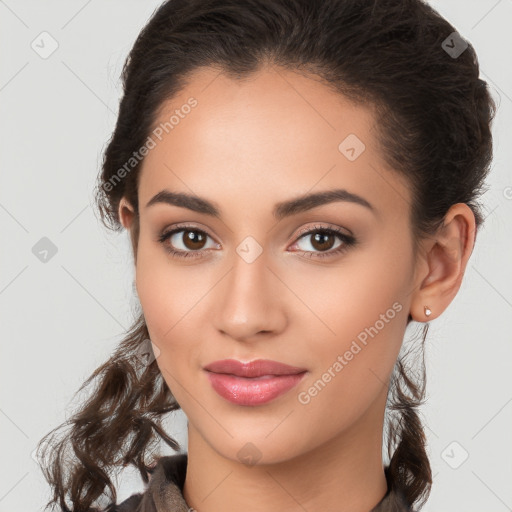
300	182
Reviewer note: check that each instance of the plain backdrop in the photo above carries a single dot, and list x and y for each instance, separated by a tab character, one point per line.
62	317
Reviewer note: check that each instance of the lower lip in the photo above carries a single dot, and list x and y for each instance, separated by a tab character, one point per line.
255	391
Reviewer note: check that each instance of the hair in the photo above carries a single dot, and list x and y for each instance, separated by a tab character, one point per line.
433	118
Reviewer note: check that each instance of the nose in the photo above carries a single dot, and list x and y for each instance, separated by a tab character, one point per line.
250	301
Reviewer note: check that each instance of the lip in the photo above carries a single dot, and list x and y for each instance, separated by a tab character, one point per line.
253	383
257	368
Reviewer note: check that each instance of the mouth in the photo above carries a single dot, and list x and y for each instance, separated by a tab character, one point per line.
254	383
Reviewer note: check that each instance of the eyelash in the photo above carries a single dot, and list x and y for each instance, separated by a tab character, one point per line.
348	241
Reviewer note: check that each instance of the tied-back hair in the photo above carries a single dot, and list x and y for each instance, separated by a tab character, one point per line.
433	116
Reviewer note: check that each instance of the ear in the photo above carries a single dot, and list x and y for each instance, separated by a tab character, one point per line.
127	216
126	213
443	262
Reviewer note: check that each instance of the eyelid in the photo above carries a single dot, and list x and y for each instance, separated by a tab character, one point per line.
185	225
326	226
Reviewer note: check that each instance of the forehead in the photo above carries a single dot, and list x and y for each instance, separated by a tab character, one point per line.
273	135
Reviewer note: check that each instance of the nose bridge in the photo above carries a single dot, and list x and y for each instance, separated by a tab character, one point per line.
248	301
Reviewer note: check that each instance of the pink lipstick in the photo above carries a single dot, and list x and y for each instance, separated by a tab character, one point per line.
253	383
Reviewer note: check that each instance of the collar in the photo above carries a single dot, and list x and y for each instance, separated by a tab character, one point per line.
164	492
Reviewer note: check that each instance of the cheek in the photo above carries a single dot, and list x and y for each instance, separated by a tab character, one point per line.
367	289
363	308
352	370
161	291
165	308
163	288
172	298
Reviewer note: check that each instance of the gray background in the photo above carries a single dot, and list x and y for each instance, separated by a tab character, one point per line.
63	317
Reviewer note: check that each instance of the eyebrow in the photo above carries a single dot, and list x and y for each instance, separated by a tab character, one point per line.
281	210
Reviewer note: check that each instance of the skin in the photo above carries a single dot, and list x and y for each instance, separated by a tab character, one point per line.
246	146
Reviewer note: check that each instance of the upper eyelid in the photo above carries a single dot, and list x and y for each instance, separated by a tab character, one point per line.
328	227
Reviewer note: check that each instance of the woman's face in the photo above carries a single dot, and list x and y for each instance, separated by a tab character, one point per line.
249	283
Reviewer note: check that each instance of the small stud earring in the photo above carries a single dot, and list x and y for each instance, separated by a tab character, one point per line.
428	312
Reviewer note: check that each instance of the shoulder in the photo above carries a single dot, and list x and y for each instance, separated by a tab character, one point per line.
130	504
165	486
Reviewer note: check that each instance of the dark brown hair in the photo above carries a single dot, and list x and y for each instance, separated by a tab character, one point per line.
433	115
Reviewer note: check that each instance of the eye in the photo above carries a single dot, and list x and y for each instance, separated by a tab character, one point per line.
322	239
189	241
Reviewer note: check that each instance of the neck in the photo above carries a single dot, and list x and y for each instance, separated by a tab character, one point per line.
345	474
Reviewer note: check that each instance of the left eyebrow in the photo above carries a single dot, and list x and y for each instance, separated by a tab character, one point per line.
281	210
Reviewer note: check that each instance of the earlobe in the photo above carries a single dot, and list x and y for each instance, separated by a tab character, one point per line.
125	213
444	264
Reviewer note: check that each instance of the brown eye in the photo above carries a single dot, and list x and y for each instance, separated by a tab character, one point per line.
185	241
323	241
193	239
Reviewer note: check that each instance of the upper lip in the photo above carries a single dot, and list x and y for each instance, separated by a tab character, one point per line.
255	368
